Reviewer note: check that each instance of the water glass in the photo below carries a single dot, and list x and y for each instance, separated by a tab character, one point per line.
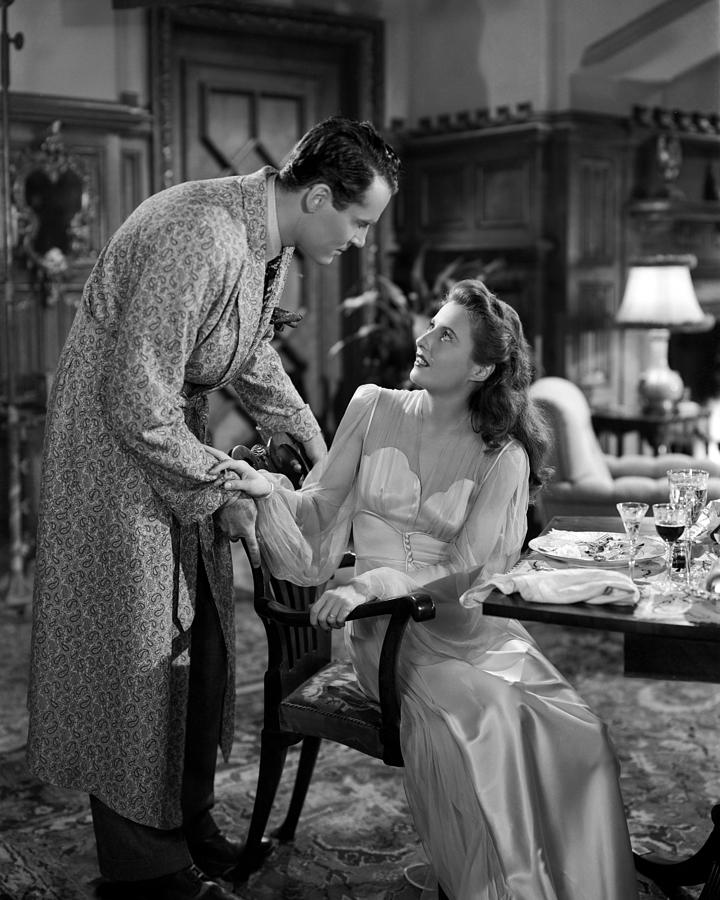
688	488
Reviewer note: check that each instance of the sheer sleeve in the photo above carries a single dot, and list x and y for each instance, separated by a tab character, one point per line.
303	534
489	542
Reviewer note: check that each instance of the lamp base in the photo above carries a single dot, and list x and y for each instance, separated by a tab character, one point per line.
660	388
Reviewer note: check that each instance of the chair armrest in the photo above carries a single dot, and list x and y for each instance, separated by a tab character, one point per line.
421	608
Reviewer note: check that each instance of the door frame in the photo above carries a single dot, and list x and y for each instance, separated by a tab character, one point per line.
362	97
362	38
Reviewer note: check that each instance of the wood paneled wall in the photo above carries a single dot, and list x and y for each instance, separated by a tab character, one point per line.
110	144
565	201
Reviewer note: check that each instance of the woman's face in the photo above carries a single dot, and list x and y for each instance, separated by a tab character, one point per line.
443	360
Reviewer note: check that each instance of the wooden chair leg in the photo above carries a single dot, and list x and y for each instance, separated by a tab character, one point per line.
711	888
306	765
273	751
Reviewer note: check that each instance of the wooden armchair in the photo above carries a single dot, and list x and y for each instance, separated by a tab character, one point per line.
309	696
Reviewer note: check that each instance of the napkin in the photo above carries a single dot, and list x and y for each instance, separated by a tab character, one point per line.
571	585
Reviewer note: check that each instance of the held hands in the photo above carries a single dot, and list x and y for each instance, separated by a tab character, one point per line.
237	516
331	610
239	475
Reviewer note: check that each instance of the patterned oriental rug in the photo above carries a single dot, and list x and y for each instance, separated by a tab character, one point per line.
355	835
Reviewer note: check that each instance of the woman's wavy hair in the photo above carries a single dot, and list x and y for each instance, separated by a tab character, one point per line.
500	407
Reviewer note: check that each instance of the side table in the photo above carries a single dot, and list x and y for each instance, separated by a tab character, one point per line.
663	432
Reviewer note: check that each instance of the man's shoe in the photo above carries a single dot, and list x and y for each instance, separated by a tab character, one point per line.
218	857
187	884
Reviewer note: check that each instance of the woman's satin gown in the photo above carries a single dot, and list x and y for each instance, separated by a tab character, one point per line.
511	779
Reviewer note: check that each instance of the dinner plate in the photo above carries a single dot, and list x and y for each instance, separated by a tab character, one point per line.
600	549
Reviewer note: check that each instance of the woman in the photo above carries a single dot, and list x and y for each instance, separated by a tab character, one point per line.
511	779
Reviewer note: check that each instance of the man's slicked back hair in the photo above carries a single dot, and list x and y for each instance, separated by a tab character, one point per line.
344	154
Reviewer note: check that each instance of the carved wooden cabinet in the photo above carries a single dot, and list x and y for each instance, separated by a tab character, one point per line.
545	197
674	207
584	198
106	146
477	195
110	145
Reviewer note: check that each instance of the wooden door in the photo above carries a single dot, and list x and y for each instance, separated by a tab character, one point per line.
243	92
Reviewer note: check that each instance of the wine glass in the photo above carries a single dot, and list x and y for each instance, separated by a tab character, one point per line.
670	522
632	513
688	488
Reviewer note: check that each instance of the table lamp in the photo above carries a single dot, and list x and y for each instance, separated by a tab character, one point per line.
659	296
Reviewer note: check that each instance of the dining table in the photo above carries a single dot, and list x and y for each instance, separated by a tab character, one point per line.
667	646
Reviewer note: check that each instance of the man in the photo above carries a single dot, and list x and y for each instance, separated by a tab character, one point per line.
132	670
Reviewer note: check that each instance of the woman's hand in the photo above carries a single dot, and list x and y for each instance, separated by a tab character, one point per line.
239	475
331	610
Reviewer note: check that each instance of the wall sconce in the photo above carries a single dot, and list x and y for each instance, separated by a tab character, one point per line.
659	296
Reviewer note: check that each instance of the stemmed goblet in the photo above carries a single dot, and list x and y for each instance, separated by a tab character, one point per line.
688	488
632	513
670	522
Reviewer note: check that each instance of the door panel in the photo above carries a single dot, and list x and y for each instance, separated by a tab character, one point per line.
238	119
235	89
239	115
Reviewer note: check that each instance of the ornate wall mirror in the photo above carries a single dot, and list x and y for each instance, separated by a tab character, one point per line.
52	212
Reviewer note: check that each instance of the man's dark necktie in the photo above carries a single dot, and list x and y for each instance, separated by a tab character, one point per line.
280	317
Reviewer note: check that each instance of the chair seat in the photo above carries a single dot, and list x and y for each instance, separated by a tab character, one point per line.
331	705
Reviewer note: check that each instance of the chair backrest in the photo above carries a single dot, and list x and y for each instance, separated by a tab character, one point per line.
296	652
282	454
576	454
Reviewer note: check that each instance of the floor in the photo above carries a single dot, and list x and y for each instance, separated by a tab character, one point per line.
356	835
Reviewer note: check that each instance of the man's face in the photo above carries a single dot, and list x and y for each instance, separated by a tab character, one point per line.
326	232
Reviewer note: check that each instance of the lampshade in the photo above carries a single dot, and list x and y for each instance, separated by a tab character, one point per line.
659	294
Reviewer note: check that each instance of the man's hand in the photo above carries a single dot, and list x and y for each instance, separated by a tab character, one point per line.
236	517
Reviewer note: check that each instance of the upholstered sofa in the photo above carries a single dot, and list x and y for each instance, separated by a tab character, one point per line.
587	481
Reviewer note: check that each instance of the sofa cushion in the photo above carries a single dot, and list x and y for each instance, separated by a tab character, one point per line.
657	466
